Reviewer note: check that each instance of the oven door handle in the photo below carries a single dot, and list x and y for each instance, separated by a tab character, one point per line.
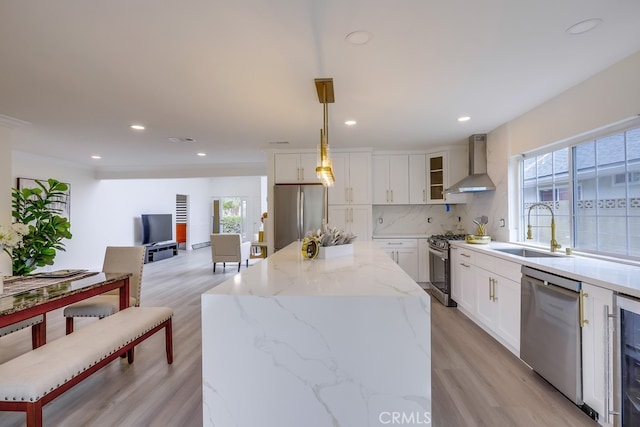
442	255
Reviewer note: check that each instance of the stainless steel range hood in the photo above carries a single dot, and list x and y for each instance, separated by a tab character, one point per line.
478	180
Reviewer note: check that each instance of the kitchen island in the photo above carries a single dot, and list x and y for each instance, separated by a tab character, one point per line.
324	342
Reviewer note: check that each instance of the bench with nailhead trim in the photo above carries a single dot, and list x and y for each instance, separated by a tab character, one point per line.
33	379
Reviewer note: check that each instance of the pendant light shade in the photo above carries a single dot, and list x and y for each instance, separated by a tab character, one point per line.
324	170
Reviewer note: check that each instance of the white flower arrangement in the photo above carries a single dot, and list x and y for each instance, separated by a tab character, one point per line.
328	236
11	237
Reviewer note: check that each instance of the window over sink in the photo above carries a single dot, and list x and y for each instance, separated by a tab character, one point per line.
591	184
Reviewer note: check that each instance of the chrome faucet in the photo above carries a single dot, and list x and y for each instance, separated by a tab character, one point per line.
554	243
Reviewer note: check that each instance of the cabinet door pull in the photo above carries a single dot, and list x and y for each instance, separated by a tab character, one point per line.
351	194
346	194
346	215
351	213
465	255
424	195
464	265
490	289
391	196
495	294
583	321
607	367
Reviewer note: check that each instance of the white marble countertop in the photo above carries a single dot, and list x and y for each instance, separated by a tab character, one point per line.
369	272
618	277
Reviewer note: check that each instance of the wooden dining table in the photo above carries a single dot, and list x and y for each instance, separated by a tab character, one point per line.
29	296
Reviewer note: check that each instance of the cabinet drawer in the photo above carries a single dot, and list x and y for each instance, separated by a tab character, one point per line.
396	243
498	266
465	254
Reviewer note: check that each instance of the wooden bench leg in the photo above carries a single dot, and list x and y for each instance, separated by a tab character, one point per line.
34	414
168	338
39	333
130	355
69	322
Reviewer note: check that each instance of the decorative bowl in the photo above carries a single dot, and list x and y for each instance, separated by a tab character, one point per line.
478	240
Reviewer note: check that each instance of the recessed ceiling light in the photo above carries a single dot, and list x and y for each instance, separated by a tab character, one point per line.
584	26
137	127
181	139
464	119
279	142
96	157
350	122
202	154
358	37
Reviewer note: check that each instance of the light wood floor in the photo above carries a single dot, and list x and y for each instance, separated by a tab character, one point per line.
475	381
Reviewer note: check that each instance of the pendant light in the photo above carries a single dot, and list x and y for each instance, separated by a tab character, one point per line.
324	87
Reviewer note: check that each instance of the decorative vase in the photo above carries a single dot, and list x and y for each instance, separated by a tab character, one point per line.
327	252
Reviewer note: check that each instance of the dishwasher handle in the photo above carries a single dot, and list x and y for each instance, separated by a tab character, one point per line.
550	286
552	279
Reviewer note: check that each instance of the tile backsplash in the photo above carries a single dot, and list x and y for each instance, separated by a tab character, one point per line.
415	219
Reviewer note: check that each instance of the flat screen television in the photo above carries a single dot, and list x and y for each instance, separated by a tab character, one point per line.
156	228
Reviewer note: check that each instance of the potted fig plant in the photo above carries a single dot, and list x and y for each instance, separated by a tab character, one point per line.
39	208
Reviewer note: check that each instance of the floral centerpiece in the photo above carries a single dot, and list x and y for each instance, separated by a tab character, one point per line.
328	236
332	242
10	238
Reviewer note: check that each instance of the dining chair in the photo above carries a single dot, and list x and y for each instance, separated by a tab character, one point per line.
36	341
228	247
117	259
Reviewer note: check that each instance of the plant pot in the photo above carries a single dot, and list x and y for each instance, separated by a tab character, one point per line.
327	252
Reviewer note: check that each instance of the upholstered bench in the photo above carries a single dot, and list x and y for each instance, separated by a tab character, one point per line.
35	378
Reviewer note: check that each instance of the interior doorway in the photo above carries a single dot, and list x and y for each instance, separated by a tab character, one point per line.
229	215
181	220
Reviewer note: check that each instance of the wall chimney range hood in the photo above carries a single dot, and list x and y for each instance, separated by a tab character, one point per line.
478	180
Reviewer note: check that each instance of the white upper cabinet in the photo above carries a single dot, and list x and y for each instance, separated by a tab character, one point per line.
417	179
354	219
352	172
296	168
443	170
391	179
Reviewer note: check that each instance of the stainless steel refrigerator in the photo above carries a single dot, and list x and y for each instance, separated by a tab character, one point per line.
297	209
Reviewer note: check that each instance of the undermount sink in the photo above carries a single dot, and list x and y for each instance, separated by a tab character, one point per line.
527	253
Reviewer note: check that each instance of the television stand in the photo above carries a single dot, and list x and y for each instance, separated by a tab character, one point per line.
158	251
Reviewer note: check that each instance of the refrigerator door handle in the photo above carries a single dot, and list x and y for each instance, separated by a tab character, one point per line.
298	212
301	235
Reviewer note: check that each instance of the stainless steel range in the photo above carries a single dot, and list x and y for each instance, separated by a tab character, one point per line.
440	267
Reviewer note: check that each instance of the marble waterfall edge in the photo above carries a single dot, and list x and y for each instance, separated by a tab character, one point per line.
293	342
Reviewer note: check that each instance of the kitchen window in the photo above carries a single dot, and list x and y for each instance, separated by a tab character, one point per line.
591	186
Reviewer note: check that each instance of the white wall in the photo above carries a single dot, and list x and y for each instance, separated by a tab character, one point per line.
5	191
107	212
606	98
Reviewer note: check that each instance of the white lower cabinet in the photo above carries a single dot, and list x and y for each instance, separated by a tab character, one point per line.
597	349
498	298
404	252
463	287
487	289
423	260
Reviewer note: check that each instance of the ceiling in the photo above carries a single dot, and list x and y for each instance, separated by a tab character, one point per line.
239	75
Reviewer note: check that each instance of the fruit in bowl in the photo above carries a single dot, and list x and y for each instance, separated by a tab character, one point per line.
477	239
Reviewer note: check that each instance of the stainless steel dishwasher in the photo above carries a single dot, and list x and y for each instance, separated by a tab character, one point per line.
550	340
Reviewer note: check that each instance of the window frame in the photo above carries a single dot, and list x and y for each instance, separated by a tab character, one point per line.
575	187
